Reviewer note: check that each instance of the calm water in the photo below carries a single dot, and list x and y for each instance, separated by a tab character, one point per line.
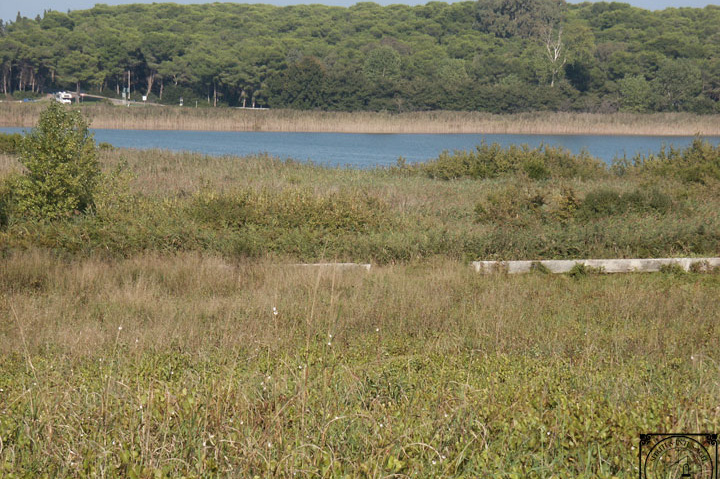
368	150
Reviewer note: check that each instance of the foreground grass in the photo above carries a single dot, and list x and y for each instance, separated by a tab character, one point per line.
230	119
176	365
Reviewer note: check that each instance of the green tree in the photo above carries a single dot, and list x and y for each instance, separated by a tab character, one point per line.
635	93
526	18
382	63
77	68
677	83
62	167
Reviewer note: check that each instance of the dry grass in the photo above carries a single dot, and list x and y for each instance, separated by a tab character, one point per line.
227	119
200	302
175	365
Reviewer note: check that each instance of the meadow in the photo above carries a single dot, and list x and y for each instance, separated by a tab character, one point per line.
166	333
16	114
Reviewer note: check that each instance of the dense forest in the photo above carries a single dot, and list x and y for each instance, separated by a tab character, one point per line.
488	55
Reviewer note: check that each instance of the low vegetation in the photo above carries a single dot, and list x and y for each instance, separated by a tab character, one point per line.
195	365
164	331
489	203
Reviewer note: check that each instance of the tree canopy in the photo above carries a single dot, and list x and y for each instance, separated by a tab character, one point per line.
489	55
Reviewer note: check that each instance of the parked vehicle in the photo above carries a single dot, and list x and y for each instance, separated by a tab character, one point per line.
63	97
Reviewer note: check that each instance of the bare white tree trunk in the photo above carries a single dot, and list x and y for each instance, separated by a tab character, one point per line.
150	81
554	51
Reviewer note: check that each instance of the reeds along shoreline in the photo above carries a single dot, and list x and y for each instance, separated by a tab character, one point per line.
231	119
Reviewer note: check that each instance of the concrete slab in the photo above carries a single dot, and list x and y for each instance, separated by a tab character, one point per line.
365	266
648	265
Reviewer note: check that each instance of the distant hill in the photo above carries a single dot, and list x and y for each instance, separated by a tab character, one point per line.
490	55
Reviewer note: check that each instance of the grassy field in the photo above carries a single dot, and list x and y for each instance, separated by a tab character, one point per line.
229	119
166	334
176	365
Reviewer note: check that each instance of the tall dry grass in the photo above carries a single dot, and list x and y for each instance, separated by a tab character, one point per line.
229	119
200	303
176	365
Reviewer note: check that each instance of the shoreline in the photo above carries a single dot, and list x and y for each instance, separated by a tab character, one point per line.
433	122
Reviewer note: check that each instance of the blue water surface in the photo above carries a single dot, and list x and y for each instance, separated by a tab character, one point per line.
370	150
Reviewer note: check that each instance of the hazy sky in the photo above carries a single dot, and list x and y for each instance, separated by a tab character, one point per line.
31	8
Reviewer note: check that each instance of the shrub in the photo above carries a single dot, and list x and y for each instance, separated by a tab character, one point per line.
5	202
698	163
10	143
673	269
492	161
62	168
608	202
510	205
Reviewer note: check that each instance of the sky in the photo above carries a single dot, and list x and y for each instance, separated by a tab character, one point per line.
31	8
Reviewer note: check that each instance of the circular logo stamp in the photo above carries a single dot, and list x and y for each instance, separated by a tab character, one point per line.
678	457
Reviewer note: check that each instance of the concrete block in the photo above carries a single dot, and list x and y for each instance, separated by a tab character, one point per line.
605	265
365	266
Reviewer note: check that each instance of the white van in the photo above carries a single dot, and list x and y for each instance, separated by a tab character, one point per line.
63	97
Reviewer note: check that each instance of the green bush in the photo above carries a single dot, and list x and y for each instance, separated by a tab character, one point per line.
698	163
5	203
10	143
291	208
62	168
492	161
520	206
608	202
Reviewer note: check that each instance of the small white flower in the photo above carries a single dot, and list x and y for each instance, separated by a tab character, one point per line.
330	336
548	433
446	415
269	444
119	328
381	425
632	448
377	330
434	462
329	344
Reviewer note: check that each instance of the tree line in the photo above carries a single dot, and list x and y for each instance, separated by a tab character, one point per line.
488	55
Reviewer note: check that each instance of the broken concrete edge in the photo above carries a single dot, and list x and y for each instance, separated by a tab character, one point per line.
365	266
649	265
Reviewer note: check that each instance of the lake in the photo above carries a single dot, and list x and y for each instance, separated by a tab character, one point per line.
369	150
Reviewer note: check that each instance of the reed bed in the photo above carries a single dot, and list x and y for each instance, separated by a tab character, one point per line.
230	119
194	365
